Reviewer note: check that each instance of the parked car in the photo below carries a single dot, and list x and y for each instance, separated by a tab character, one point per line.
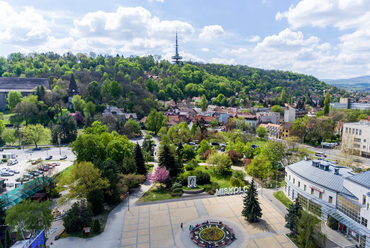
9	185
34	162
63	157
254	146
320	154
44	168
36	149
222	149
6	174
56	163
192	143
26	178
18	179
30	176
16	171
49	157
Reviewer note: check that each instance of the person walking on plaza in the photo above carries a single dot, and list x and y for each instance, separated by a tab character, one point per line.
181	225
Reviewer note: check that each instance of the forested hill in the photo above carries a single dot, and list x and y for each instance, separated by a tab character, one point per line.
227	83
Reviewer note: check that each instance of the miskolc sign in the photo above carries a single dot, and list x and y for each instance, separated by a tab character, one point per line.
231	191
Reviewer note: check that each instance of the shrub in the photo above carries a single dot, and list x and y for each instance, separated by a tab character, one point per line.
77	217
205	155
177	185
212	192
239	174
207	187
202	177
96	228
234	156
191	165
4	160
215	185
132	180
235	182
176	191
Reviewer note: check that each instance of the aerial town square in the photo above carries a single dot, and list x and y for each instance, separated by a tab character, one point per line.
163	123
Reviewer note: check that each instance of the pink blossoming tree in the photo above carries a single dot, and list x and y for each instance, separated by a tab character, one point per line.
159	175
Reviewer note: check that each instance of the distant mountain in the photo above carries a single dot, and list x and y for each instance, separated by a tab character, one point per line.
356	83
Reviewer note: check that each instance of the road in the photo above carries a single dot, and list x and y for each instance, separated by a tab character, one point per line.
24	156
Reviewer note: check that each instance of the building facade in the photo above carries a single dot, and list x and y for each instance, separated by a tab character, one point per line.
328	190
24	85
284	130
357	134
268	117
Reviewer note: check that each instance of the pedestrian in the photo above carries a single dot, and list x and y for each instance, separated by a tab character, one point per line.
181	225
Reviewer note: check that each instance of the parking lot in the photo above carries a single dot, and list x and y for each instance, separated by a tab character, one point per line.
25	157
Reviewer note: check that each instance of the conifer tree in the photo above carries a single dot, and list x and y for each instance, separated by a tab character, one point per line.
139	159
96	226
293	214
1	244
327	103
204	103
252	210
8	240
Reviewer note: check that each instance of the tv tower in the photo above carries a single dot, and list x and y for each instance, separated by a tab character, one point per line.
177	58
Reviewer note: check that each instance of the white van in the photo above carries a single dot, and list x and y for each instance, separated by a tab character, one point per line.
12	162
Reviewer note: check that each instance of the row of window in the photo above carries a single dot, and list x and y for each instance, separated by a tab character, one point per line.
358	131
330	200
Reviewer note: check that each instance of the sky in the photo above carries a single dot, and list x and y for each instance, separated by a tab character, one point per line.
329	39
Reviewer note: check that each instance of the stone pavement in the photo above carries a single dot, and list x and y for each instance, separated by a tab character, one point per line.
158	225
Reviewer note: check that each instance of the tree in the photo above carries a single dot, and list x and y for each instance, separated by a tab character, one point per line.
283	97
30	216
129	165
262	132
9	136
221	160
78	103
167	160
155	121
14	97
77	217
292	141
94	91
203	103
188	152
89	109
159	175
309	231
252	210
294	213
96	228
276	108
203	147
66	128
26	110
8	239
84	178
132	128
259	167
35	133
214	123
139	160
362	116
96	199
2	127
327	103
115	89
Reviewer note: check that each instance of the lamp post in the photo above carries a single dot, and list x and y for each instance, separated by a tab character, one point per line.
128	200
60	152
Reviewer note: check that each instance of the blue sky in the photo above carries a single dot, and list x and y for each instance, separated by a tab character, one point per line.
324	38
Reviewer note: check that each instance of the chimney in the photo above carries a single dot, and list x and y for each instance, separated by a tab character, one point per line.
336	171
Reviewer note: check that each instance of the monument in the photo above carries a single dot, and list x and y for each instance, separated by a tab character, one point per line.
192	182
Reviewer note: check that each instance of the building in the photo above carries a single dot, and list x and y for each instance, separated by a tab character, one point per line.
118	113
24	85
268	117
346	103
285	129
326	189
357	134
291	114
224	117
273	130
72	90
251	119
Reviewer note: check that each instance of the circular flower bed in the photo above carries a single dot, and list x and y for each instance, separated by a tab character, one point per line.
212	234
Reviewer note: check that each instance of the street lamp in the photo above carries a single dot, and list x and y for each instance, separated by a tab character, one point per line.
128	201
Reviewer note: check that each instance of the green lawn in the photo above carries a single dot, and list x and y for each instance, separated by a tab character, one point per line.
156	193
302	149
282	198
197	188
222	180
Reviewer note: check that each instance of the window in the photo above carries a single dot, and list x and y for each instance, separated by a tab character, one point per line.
299	184
364	147
330	199
353	131
312	191
293	180
357	140
305	187
360	132
364	140
346	129
320	195
367	206
289	177
364	221
349	208
364	199
356	131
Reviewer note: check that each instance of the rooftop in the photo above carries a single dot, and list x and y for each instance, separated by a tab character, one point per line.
325	178
22	84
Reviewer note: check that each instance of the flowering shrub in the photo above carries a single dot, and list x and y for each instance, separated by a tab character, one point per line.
212	233
160	175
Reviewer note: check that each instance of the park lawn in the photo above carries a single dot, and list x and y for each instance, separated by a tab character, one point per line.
282	198
261	142
197	188
302	149
222	180
156	193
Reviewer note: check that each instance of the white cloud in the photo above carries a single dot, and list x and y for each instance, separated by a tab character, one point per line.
254	38
222	61
211	32
205	49
162	1
26	27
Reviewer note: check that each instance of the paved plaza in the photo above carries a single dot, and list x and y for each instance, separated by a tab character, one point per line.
158	225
